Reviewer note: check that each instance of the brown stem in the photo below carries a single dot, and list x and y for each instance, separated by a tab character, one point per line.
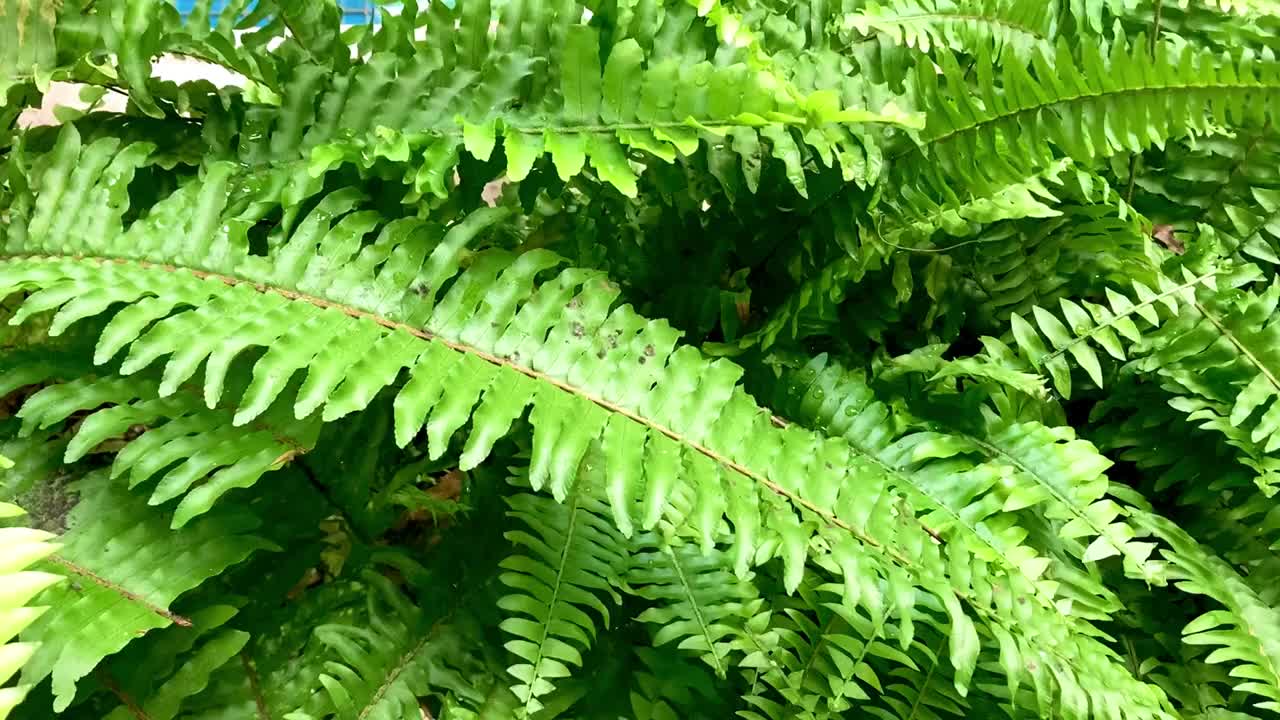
255	686
105	678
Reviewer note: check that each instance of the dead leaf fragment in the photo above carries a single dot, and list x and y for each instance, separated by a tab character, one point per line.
1166	236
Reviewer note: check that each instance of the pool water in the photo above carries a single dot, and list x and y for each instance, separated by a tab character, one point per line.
354	12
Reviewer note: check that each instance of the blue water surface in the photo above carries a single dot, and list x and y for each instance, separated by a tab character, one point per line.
354	12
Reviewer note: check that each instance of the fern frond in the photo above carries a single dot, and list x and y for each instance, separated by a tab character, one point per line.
697	600
194	452
665	681
994	368
26	27
1066	473
571	557
382	665
36	459
923	691
1214	355
1227	181
1216	469
1224	350
157	675
44	37
1046	467
1112	327
571	106
1000	27
279	672
913	221
1021	265
492	338
19	549
975	517
481	342
1246	631
128	567
1221	25
824	655
190	679
1198	467
450	259
979	138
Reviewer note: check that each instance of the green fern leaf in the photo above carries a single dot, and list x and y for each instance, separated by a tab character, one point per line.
385	663
665	683
999	27
128	568
697	599
1039	469
976	512
196	453
825	657
26	36
574	107
1246	631
1112	327
508	332
1227	181
156	676
1224	350
912	222
19	548
1016	127
571	558
921	692
279	672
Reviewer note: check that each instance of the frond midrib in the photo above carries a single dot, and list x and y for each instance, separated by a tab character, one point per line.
696	606
1239	345
570	532
452	129
403	664
928	678
255	686
1067	502
124	593
1149	302
817	648
691	123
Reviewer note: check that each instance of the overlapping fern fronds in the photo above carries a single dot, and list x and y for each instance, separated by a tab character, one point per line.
384	378
500	364
1080	101
999	27
128	569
